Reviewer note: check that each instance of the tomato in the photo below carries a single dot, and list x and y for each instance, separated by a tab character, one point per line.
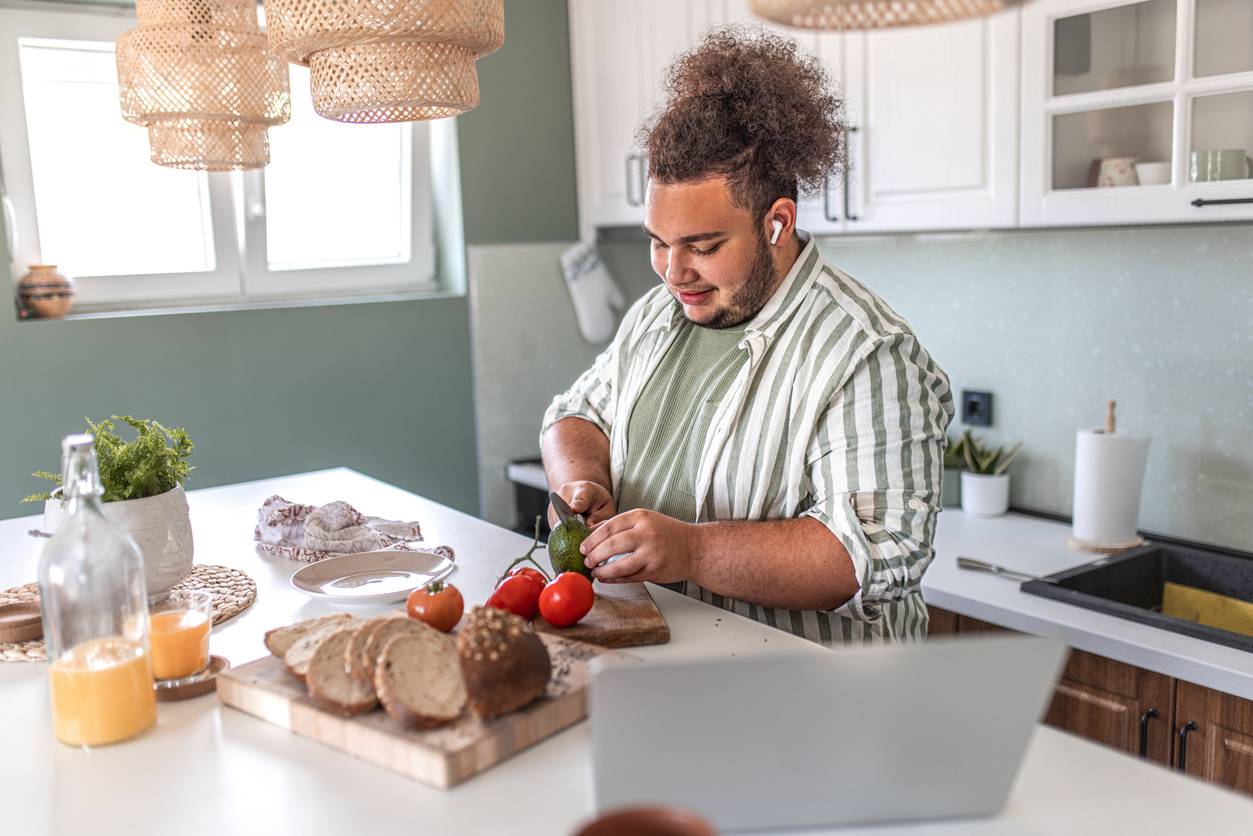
567	599
535	575
519	595
438	604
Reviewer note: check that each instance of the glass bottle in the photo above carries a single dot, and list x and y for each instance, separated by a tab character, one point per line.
95	615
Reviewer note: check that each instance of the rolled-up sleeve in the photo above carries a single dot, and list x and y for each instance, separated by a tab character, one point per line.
874	466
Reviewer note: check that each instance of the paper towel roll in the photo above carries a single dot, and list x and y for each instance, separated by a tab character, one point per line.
1109	472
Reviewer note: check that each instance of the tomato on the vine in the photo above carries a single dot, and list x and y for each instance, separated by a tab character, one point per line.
438	604
517	594
567	599
534	575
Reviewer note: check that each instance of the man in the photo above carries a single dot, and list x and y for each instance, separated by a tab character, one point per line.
763	432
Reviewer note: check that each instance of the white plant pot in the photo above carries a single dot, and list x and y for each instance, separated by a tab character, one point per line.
161	527
985	496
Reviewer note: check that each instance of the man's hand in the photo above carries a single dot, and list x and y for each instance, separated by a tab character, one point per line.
657	548
590	499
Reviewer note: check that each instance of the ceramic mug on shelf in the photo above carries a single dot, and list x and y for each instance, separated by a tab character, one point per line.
1153	174
1224	164
1117	171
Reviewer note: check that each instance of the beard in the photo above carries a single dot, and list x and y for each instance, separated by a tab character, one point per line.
752	294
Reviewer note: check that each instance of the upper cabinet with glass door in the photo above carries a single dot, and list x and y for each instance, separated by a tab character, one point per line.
1137	112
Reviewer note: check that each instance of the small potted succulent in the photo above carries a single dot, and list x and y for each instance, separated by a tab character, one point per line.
143	495
954	464
985	481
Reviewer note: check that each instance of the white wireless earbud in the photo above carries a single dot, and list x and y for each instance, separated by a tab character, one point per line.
778	228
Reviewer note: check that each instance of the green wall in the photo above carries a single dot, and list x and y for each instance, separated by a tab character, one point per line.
517	148
383	387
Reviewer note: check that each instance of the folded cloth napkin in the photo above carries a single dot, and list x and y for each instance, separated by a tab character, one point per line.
334	528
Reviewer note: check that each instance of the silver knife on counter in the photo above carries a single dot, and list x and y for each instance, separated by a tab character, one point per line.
976	565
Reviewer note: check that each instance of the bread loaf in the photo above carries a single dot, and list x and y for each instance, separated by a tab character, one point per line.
418	678
505	666
329	682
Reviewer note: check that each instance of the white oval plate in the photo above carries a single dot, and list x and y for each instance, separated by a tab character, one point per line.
380	577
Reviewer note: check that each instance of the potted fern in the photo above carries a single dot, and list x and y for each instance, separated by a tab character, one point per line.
985	481
143	494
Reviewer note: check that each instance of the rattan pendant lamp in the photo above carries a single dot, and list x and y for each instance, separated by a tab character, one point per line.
199	75
871	14
388	60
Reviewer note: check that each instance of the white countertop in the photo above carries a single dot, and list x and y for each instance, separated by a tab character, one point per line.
212	770
1038	547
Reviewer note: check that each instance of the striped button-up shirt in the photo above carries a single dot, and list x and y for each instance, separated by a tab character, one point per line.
837	413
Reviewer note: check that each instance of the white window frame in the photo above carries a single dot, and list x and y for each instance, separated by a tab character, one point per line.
241	271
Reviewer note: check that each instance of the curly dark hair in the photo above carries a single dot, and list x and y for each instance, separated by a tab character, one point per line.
747	104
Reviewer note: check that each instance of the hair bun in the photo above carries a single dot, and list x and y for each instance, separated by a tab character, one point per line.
750	105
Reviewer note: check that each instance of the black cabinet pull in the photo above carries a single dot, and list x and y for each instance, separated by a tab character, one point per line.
1144	731
1201	203
1189	726
826	201
852	129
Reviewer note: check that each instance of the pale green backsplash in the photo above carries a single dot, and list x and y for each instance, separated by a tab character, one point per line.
1054	323
382	387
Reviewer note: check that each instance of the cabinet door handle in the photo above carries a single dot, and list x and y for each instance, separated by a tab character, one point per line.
643	178
1187	727
826	201
1144	731
1201	203
631	179
852	129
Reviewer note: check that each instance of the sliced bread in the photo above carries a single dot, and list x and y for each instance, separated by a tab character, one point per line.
299	655
503	663
418	679
355	654
384	633
279	640
329	682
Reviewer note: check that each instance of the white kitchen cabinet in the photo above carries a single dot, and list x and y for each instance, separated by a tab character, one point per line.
619	51
933	112
933	116
1149	80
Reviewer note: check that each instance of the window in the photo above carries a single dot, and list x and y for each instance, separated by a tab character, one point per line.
340	209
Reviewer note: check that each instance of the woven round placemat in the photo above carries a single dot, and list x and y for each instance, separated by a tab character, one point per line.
232	591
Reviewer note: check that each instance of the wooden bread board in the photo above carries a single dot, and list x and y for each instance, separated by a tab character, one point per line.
624	615
440	757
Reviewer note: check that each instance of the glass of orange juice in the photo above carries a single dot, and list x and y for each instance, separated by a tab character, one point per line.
179	634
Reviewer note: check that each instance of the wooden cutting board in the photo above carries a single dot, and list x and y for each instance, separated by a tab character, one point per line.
441	757
624	615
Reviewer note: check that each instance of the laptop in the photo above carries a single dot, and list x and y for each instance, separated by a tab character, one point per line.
851	736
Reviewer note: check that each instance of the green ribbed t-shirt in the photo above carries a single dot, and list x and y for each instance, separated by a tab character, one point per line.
670	420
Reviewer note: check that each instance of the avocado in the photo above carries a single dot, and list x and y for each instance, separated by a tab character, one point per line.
563	548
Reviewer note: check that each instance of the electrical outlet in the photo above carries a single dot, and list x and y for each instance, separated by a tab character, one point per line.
976	408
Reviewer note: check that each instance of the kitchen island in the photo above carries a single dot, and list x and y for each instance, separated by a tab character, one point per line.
212	770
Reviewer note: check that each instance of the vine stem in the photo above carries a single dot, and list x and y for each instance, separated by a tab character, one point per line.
535	544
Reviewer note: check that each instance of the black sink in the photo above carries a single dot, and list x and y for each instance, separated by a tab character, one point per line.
1129	585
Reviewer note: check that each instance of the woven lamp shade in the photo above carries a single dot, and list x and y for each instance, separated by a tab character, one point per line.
871	14
199	75
388	60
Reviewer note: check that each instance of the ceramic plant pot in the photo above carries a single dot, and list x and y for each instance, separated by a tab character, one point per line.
984	496
160	525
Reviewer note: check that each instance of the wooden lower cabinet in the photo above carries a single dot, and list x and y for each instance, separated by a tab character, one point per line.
1119	705
1207	733
1219	748
940	622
